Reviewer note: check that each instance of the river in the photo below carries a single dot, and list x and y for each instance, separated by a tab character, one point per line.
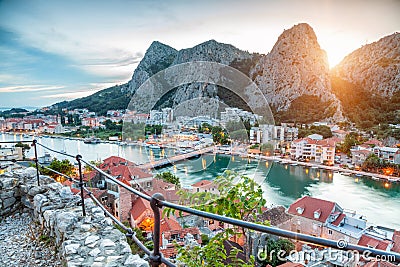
282	184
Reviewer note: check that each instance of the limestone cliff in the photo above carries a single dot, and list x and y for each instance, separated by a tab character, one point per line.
296	66
374	67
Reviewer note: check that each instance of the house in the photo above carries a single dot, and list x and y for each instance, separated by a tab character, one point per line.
168	190
326	219
359	156
375	242
141	215
171	232
339	133
389	154
318	150
396	241
205	186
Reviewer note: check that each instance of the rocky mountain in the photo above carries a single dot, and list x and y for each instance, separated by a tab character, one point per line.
294	76
296	67
367	83
375	67
157	57
210	51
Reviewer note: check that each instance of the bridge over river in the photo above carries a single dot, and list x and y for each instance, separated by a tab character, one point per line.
174	159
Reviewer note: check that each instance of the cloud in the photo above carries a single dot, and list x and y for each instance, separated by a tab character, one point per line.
71	95
29	88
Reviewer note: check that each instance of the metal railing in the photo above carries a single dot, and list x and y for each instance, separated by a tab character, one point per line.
157	202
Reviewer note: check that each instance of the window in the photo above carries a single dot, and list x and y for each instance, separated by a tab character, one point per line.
329	232
116	213
198	189
299	210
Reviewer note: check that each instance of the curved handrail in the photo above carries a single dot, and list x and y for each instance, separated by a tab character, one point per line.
157	202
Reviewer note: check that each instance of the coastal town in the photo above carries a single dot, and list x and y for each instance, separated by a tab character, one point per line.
200	133
191	137
235	132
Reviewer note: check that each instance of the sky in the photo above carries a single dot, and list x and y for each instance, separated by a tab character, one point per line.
56	50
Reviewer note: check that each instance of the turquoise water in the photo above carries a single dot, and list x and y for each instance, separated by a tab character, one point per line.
282	184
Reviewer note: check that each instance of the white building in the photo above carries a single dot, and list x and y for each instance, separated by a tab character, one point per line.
167	115
256	135
320	151
389	154
156	117
269	132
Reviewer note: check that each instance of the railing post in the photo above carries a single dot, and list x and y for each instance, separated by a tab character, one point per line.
36	160
155	256
78	159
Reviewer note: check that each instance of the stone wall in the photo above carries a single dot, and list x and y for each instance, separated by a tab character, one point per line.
82	241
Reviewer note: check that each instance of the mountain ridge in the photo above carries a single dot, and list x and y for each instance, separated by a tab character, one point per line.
295	73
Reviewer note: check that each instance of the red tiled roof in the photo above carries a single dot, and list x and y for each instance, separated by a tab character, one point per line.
374	142
202	183
67	183
380	263
75	191
169	224
310	204
339	219
114	160
139	207
89	176
97	193
396	241
169	252
369	241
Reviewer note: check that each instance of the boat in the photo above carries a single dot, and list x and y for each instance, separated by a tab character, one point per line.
91	140
294	164
314	167
375	178
358	174
153	146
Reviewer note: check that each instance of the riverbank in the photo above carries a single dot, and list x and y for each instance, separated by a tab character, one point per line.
237	151
348	172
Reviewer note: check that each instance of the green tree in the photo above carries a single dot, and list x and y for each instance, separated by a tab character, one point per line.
323	130
213	254
170	178
350	140
63	166
205	128
220	136
372	163
240	197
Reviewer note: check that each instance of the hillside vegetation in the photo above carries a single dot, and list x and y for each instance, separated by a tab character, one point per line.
363	108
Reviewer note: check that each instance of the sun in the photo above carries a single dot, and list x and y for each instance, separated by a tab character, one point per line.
335	56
